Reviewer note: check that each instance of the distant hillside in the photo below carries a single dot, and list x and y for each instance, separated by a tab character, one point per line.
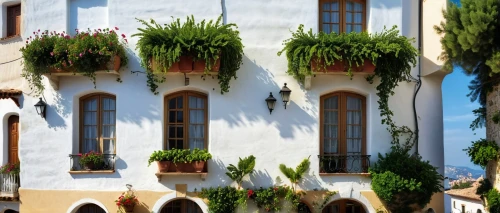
455	172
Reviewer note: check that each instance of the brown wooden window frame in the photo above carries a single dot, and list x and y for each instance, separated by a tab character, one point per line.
17	27
342	14
100	97
342	120
185	123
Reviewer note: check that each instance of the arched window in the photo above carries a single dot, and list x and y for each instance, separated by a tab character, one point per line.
181	206
342	16
10	211
347	206
343	133
186	120
98	123
90	208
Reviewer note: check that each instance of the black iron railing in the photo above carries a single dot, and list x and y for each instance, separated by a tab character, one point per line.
108	164
335	163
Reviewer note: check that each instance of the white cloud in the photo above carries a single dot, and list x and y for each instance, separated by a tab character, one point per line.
455	118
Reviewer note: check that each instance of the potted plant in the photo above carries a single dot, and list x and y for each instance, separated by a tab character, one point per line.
85	53
181	160
207	46
127	200
10	168
91	160
199	158
163	158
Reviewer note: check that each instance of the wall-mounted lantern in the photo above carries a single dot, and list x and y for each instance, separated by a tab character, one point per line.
41	108
271	101
285	94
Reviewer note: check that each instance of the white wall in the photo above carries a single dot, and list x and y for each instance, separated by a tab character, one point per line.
471	206
239	121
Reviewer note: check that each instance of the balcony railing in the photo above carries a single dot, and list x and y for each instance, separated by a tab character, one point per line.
109	163
9	185
335	163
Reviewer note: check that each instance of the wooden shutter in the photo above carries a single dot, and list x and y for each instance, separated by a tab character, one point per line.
14	20
13	138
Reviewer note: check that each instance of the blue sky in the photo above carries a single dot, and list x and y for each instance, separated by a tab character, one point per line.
457	116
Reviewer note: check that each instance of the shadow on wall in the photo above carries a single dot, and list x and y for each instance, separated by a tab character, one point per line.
91	11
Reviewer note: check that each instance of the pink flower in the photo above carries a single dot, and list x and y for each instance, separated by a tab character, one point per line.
33	33
90	51
70	62
123	35
26	42
126	40
80	154
38	30
99	29
51	53
100	53
76	30
81	55
116	28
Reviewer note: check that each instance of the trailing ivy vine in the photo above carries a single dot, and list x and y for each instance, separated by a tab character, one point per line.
393	55
208	41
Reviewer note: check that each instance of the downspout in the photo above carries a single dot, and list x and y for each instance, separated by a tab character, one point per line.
419	81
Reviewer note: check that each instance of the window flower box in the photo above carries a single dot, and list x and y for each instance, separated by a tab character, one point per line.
318	66
184	65
180	162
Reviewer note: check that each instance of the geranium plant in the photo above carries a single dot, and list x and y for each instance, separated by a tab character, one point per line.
84	53
127	200
10	168
91	160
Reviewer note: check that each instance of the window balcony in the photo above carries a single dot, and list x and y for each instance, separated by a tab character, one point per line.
107	167
344	164
9	186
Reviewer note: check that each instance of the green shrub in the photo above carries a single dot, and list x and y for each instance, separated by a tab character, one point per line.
482	151
404	183
245	166
223	199
179	155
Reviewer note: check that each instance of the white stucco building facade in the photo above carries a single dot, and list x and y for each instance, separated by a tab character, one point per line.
239	123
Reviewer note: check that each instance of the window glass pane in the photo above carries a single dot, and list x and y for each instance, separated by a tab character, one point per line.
348	28
353	103
171	116
195	102
326	17
179	132
331	103
335	6
171	132
196	117
108	131
358	28
358	7
348	16
90	105
348	6
354	117
171	103
335	17
108	146
331	117
358	18
330	131
180	117
330	145
335	28
326	28
179	102
326	6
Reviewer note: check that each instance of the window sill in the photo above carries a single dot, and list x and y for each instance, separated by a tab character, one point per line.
345	174
10	38
93	172
202	175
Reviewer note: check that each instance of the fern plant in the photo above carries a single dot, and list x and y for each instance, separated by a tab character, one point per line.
204	40
295	175
245	167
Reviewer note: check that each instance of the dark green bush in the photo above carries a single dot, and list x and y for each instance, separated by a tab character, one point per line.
482	151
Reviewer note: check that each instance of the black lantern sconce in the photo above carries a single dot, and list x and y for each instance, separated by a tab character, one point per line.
285	94
271	101
41	108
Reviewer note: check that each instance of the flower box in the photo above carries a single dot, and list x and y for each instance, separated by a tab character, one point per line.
113	64
184	65
318	66
199	65
367	67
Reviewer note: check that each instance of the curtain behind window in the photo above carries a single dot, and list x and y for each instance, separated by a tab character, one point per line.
90	142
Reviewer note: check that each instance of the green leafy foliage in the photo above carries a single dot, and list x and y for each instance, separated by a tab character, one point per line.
84	53
393	55
471	40
480	119
179	155
245	167
404	183
92	157
482	151
484	187
295	175
462	185
205	40
269	198
11	168
223	199
318	206
493	198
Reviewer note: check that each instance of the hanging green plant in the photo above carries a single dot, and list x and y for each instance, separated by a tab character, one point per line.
85	53
482	151
391	53
182	47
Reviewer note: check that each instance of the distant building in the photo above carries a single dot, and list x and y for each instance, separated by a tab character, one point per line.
466	200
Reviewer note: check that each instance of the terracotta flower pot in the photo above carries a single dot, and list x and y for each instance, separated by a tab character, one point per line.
184	167
163	166
129	208
318	66
199	165
186	64
89	166
199	66
156	67
367	67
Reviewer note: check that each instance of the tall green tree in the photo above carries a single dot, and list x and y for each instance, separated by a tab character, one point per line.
472	41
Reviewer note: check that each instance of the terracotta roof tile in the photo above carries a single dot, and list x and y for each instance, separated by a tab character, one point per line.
467	192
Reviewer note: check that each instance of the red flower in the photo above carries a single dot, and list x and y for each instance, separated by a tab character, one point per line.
38	30
126	41
116	28
275	188
26	42
118	204
123	35
249	193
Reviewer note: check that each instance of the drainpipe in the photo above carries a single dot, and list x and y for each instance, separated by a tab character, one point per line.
419	81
